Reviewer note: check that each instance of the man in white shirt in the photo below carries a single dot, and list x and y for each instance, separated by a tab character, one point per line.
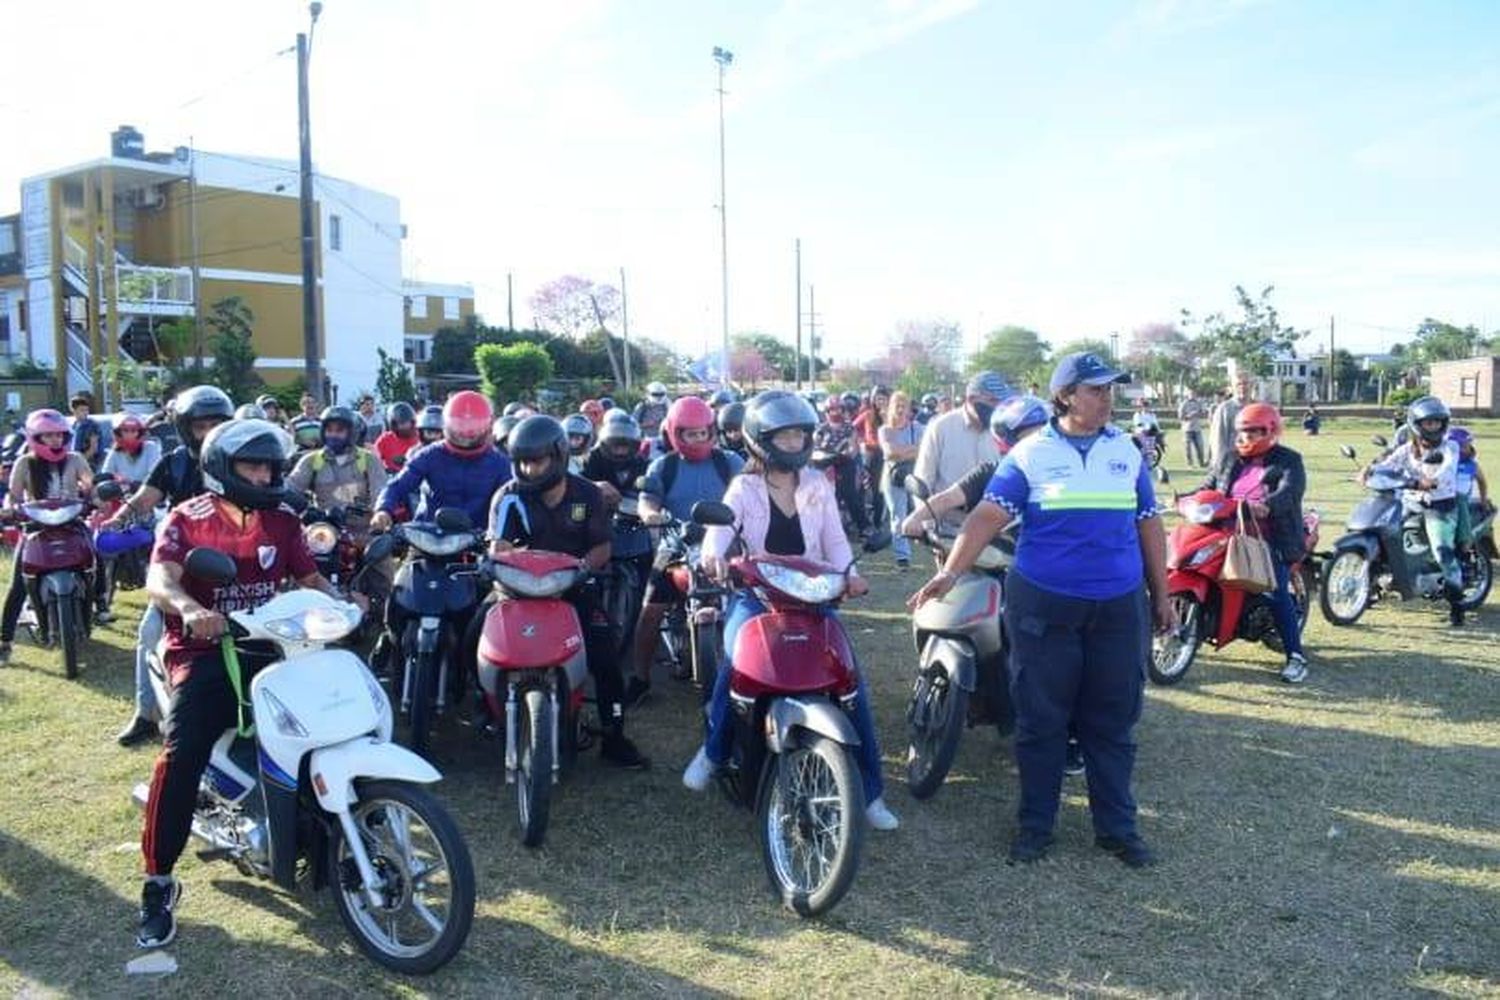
960	439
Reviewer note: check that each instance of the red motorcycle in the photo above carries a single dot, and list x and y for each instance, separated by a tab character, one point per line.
532	671
1208	610
792	760
57	566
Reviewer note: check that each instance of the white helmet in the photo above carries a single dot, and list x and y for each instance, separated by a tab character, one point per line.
657	392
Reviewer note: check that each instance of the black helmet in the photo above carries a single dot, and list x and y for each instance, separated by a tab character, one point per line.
537	437
246	441
732	418
340	415
850	402
501	428
778	410
431	419
201	402
607	402
580	431
399	413
877	390
1428	408
619	437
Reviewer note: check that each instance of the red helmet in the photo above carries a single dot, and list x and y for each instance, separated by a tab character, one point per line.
592	409
467	417
690	413
1262	418
130	446
41	422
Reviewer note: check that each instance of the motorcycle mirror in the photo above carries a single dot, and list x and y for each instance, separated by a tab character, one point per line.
109	490
379	548
917	488
210	565
452	519
693	534
712	512
1379	441
1347	450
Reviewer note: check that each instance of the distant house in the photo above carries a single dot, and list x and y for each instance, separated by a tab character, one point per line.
1292	380
1468	386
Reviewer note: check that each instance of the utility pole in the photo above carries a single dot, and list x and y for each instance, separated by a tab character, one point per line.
812	335
723	57
1331	384
312	366
625	328
510	303
197	269
797	363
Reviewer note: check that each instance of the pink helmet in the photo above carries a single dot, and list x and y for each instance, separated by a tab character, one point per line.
689	412
41	422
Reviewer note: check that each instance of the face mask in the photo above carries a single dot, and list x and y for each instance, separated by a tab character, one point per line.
335	442
983	411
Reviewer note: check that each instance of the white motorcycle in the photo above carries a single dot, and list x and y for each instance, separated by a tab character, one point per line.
309	786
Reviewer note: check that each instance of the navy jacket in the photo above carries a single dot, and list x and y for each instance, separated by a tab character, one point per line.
451	480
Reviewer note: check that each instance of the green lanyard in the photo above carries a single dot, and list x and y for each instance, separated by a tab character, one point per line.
232	667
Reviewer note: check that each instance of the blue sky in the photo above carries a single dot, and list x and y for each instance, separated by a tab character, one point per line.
1074	167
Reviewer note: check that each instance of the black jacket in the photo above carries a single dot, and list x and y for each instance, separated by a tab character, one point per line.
1285	483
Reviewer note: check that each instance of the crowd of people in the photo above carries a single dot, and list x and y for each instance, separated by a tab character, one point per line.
801	475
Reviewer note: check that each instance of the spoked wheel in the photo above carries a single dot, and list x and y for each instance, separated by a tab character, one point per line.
534	767
939	708
811	819
427	897
1478	577
1345	593
1172	654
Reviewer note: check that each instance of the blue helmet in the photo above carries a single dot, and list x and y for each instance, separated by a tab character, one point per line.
1019	414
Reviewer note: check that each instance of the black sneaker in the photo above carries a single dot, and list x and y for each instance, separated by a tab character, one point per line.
617	750
1132	850
1027	847
158	925
635	692
1073	763
138	731
1455	616
5	651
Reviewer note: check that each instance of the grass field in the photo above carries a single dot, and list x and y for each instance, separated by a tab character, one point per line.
1339	838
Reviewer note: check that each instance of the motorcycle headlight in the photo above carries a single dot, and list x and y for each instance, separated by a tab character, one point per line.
1199	513
52	517
433	544
321	624
813	588
321	538
533	585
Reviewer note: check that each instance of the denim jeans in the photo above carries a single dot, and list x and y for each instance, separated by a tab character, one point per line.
146	638
1442	530
743	607
1284	609
898	503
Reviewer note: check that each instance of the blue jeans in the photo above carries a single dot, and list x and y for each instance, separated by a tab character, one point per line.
149	634
1284	609
742	608
898	505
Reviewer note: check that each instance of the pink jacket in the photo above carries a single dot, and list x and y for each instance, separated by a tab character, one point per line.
817	508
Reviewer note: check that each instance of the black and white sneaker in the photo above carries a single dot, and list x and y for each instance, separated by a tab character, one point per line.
1295	671
158	924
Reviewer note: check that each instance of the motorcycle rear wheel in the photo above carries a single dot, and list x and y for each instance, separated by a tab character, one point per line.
1345	593
811	817
944	707
534	767
1172	654
412	841
1479	576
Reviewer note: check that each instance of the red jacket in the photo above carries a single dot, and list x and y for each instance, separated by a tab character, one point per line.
389	446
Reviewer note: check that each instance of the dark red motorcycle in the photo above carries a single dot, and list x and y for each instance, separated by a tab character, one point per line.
1208	610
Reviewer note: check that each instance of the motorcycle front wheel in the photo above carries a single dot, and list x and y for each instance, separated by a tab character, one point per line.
1478	578
1172	653
427	900
811	816
534	767
937	714
66	625
420	673
706	637
1345	593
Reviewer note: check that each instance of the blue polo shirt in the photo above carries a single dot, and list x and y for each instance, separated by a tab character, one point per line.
1078	536
694	481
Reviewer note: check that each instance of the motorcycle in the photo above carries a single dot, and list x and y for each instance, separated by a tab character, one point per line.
57	566
1152	445
1385	551
622	585
433	598
961	653
309	788
792	761
330	541
123	554
532	673
1207	610
692	631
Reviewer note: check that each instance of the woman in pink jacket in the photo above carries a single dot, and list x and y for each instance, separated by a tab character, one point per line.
782	508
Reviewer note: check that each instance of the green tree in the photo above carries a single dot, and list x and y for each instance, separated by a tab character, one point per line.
1011	351
233	351
512	372
393	382
1252	338
1439	341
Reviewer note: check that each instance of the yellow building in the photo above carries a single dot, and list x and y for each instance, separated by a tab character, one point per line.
429	308
111	249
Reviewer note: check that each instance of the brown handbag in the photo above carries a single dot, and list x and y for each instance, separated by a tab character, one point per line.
1247	562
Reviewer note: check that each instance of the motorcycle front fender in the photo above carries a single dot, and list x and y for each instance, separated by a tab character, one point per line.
956	659
1182	581
786	716
58	585
334	769
1359	542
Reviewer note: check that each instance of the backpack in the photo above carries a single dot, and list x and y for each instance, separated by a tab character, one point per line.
361	461
672	461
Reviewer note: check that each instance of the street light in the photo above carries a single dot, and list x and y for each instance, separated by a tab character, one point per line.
723	57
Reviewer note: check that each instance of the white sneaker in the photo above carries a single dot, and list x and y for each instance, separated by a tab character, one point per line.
700	772
879	815
1295	671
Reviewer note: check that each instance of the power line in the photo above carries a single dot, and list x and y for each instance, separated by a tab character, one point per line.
236	78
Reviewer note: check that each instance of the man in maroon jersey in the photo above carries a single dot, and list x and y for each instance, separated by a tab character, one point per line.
243	464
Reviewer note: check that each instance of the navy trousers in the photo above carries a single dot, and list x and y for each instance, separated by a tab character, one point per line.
1081	662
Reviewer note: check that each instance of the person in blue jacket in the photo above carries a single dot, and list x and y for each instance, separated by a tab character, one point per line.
462	471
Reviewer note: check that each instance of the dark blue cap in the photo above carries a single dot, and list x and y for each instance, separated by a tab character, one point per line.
1085	368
